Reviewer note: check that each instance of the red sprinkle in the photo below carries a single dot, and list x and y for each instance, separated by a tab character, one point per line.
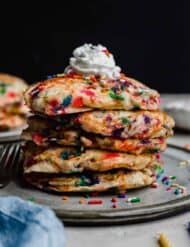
95	202
77	102
88	92
93	78
114	205
106	52
161	140
73	74
54	102
158	156
154	185
37	138
11	94
95	194
114	199
111	155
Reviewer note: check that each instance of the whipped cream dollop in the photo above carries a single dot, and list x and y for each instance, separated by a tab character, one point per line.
90	59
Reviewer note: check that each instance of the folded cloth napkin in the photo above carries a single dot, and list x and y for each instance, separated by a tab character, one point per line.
26	224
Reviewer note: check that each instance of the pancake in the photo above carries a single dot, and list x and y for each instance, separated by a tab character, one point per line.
8	122
77	138
126	124
75	93
72	160
121	179
45	132
11	91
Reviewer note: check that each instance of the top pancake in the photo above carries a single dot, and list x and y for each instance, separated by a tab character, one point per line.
75	93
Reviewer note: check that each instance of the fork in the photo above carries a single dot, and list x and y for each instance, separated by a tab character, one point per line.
9	162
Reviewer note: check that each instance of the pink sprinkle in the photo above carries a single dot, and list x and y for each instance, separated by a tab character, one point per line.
169	188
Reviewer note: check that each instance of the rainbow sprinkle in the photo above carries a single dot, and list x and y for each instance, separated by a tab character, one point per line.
133	199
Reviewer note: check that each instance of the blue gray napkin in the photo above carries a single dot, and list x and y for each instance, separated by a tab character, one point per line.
26	224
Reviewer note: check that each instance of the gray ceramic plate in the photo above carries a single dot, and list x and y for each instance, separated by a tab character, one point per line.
11	135
155	203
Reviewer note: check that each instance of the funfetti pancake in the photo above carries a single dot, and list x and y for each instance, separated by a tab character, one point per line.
75	93
8	122
92	182
125	124
11	89
71	160
94	128
91	81
45	132
77	138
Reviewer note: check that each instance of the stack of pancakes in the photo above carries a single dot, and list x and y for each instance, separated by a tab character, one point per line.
89	133
12	109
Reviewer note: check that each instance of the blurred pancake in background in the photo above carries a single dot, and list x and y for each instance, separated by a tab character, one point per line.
13	111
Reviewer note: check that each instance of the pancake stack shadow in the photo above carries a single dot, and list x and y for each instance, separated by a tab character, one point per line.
93	134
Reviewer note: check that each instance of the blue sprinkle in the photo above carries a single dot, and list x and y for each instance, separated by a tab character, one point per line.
176	192
121	195
167	182
157	176
51	76
65	155
162	171
67	101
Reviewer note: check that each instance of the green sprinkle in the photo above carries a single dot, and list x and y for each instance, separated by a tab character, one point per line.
122	87
157	167
82	181
3	88
172	177
125	120
115	96
134	199
86	195
67	101
137	106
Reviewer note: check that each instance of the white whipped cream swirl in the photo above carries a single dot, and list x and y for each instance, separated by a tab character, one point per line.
90	59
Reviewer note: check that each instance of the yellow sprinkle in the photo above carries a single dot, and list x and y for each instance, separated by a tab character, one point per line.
164	241
60	75
175	185
82	201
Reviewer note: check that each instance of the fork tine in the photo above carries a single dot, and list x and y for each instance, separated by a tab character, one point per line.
15	160
8	159
3	153
3	163
7	156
